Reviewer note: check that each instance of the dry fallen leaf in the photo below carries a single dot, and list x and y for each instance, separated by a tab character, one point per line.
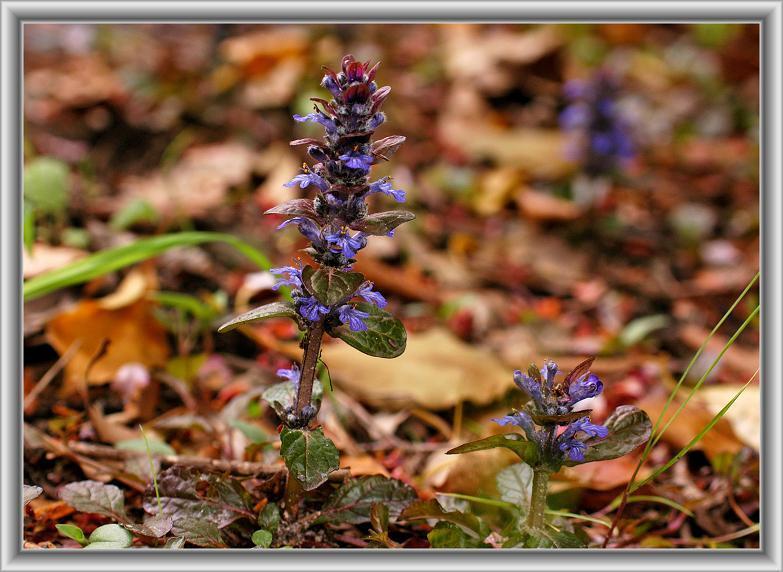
45	258
134	333
744	415
437	371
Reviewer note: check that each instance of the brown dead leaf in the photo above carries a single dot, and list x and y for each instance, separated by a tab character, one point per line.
468	473
602	476
437	371
50	510
134	334
363	465
45	258
538	205
744	415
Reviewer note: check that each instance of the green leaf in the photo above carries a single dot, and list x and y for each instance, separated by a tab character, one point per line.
629	427
136	211
74	532
380	224
110	536
174	543
353	501
269	517
112	259
156	447
384	337
253	432
431	509
282	396
46	184
309	456
448	535
262	538
637	330
273	310
329	285
544	538
525	450
515	485
96	498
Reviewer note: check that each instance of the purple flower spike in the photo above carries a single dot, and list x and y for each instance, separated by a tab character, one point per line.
585	387
370	295
306	179
294	277
357	160
384	186
353	317
311	308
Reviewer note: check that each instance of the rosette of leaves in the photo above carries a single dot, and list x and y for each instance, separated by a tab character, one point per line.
554	433
327	296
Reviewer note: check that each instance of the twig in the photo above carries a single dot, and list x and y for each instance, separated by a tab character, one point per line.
52	372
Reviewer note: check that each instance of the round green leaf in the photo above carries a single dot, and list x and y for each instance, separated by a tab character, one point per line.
309	456
110	534
262	538
329	285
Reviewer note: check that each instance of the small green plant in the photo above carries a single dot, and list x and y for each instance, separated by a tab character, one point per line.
106	537
554	434
329	297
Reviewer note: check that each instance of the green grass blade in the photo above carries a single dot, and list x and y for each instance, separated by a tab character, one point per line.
482	500
113	259
586	518
152	469
718	416
653	498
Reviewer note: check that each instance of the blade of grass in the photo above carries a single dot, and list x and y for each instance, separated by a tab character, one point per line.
482	500
652	498
681	453
586	518
152	469
119	257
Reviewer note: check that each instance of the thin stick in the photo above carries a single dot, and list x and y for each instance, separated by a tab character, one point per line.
51	373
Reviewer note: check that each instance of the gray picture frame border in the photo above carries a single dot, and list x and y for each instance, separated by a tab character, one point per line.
14	15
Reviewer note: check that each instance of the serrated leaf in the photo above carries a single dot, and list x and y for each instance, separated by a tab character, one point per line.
30	493
352	502
295	207
73	532
110	534
262	538
525	450
309	456
282	396
629	427
431	509
385	336
380	224
273	310
329	285
96	498
515	485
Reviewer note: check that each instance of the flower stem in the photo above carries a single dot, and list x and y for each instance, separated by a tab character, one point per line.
535	517
312	350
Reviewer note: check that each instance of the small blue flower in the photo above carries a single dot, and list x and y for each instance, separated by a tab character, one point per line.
306	179
291	375
330	83
376	120
574	449
371	296
521	420
344	243
311	308
353	317
384	186
529	386
584	425
318	117
294	277
357	160
307	227
548	373
585	387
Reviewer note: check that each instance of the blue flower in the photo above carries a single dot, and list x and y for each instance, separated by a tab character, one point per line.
291	375
584	425
369	295
385	187
306	179
344	243
294	277
521	420
574	449
330	83
357	160
585	387
376	120
548	373
311	308
318	117
529	386
307	227
353	317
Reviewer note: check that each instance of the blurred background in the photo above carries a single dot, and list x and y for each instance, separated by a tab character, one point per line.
579	190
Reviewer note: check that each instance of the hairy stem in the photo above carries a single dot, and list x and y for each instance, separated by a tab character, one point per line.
312	350
535	518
